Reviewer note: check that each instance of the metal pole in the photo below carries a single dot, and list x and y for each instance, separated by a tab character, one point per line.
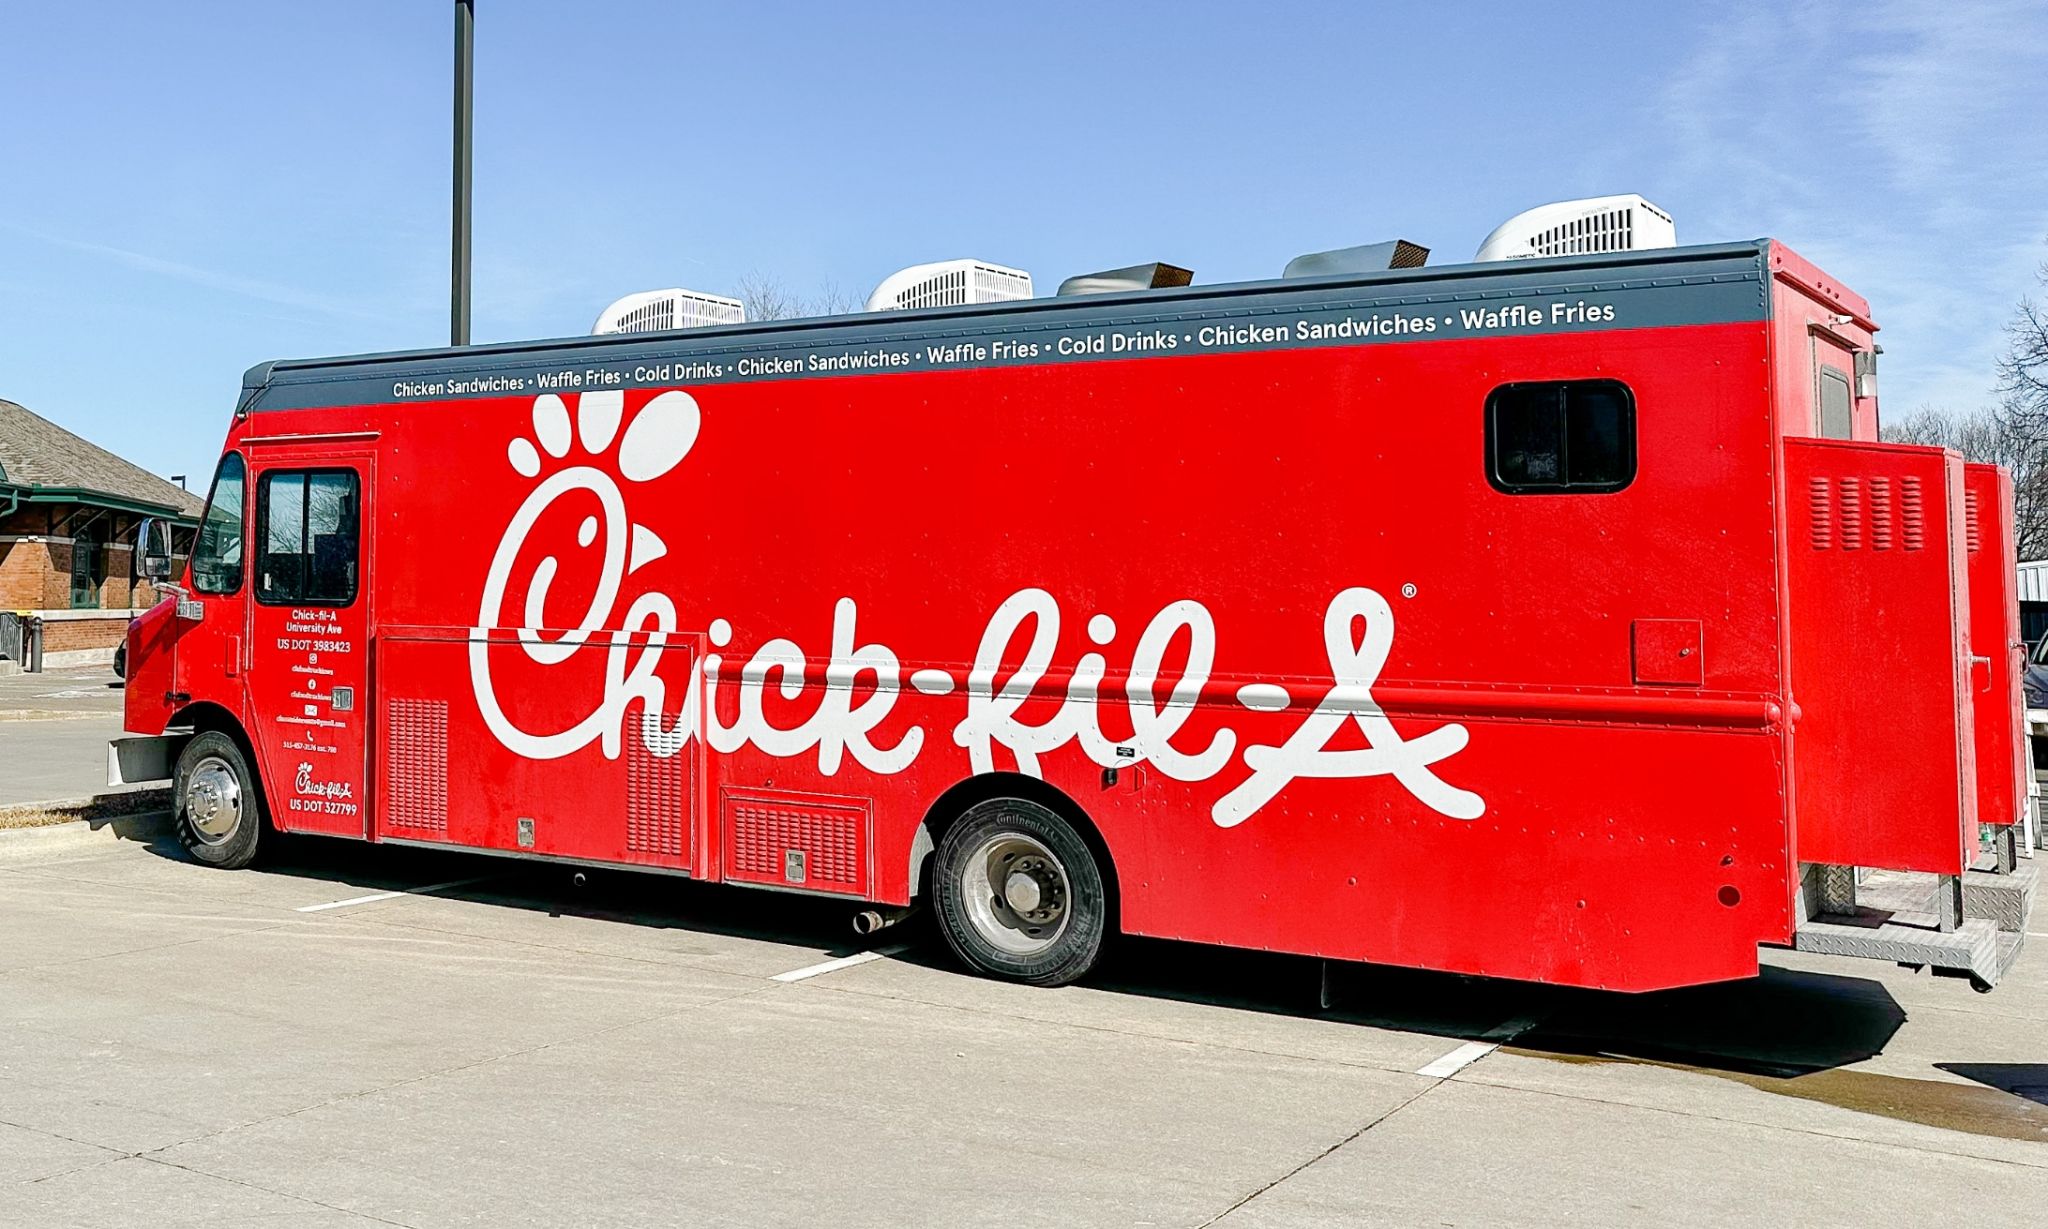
458	274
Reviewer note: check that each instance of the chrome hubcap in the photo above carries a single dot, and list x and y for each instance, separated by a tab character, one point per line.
213	800
1016	893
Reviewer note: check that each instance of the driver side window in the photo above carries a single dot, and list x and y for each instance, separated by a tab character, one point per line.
217	559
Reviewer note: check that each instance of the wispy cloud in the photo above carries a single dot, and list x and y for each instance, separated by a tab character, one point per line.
212	279
1893	144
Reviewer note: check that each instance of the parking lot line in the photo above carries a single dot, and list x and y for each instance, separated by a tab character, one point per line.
1457	1060
844	962
1472	1051
374	897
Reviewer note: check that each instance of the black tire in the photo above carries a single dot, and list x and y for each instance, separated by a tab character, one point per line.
210	764
981	925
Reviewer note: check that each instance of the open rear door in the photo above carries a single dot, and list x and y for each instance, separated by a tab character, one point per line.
1998	654
1883	750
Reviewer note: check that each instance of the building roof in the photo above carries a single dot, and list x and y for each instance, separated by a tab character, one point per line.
41	461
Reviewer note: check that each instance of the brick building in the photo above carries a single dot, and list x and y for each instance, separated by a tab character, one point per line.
69	514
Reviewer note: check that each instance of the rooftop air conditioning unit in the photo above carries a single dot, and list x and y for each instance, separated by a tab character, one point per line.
1371	258
1625	223
949	283
1155	276
651	311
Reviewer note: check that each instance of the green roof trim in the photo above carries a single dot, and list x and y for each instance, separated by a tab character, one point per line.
19	494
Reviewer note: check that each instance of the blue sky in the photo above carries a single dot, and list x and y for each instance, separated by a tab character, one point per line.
193	188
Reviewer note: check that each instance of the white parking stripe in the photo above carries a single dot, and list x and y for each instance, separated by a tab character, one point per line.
1459	1059
374	897
1472	1051
844	962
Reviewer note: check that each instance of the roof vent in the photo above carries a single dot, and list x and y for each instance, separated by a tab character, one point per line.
651	311
1625	223
949	283
1155	276
1371	258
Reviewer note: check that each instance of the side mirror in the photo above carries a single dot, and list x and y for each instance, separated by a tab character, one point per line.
154	539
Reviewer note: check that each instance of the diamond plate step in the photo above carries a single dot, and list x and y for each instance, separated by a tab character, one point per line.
2006	901
1974	948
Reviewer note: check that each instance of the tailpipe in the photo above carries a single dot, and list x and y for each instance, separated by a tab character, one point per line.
868	921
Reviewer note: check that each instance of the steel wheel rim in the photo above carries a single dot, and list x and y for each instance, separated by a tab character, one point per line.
213	800
1016	894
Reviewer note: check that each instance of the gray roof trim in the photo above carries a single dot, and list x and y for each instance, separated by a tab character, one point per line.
1737	269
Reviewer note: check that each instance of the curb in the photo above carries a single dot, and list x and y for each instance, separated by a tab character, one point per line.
20	844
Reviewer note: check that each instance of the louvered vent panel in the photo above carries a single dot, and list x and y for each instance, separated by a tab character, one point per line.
657	798
1912	514
1884	514
1851	513
1973	526
1609	231
1820	506
809	841
416	748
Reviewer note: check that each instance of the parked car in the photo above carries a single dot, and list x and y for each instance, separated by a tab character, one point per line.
121	654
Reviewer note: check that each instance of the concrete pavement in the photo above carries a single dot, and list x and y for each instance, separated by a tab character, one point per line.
186	1046
54	728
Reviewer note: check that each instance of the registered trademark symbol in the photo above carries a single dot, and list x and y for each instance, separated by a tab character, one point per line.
1408	590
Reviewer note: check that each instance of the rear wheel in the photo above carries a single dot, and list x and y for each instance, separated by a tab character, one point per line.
1019	894
219	808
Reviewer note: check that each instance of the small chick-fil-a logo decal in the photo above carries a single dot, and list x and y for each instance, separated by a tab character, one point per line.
862	682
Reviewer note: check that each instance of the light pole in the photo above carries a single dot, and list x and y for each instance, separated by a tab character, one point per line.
458	272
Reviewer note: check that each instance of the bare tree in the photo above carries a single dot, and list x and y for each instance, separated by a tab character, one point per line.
2012	432
769	298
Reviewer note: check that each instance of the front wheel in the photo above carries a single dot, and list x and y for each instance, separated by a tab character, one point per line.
1019	894
219	807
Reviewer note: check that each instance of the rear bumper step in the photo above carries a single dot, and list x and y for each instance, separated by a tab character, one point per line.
1895	919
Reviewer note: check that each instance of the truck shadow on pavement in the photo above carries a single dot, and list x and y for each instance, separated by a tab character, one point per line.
1788	1032
1783	1024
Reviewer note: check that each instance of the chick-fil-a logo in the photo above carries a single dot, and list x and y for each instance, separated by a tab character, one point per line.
861	682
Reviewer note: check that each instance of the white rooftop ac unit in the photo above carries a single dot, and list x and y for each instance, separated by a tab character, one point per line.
949	283
1625	223
651	311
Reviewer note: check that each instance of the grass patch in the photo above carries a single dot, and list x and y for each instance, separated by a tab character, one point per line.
102	806
33	817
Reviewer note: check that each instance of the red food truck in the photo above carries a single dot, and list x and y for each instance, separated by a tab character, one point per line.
1556	618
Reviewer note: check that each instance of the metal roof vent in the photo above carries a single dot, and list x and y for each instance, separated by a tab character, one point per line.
651	311
1625	223
1371	258
949	283
1155	276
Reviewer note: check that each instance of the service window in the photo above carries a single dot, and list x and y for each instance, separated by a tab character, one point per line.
1561	437
309	537
217	557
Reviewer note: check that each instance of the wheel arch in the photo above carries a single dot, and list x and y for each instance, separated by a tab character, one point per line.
963	796
205	716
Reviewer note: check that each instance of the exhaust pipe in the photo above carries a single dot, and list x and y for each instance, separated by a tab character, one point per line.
868	921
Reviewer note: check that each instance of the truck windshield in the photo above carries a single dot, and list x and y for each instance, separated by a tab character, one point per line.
217	559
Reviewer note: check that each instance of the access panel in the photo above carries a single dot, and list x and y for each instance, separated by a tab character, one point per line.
536	776
1882	755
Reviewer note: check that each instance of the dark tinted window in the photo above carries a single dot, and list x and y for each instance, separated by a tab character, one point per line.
1576	436
217	559
1835	416
309	537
